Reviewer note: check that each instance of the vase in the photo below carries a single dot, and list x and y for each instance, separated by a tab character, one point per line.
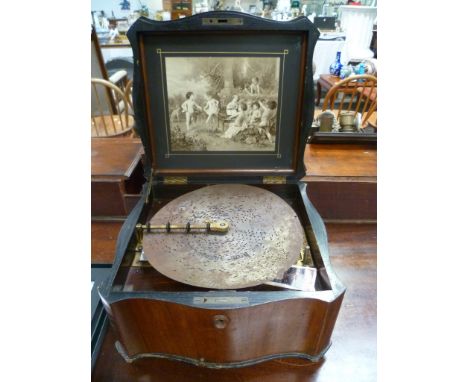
335	67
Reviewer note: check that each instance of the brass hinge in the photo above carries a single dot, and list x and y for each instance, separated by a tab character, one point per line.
274	180
175	180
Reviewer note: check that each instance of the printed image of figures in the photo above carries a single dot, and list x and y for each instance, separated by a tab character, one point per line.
223	103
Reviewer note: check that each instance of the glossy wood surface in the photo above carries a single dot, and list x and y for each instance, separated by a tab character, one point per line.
103	238
116	175
357	162
296	325
342	180
114	156
351	358
347	172
344	200
107	197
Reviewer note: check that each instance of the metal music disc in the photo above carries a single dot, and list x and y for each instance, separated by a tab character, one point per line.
265	238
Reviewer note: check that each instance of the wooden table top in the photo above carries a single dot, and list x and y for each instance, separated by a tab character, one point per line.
351	358
357	162
114	156
103	239
329	79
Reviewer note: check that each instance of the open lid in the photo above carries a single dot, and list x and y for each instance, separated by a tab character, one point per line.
223	94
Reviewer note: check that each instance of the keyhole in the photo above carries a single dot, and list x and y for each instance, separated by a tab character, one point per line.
220	321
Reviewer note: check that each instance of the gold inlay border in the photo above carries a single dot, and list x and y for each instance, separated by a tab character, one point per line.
163	53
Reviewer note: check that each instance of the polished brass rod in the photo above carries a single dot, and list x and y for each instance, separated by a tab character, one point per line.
214	227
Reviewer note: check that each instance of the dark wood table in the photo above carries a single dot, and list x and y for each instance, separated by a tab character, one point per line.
326	81
356	162
351	358
116	175
103	239
114	156
342	180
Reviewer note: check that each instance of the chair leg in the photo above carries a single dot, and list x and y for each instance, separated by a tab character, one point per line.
319	93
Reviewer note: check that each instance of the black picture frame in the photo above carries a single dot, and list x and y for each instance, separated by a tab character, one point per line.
224	34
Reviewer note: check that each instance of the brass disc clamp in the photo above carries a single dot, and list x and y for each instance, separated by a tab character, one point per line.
219	227
207	227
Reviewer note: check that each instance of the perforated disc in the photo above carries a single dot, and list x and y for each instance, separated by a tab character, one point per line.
265	238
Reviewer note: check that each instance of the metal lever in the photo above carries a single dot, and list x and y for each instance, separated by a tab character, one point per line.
208	227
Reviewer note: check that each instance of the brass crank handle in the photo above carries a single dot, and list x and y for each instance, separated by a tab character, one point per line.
209	227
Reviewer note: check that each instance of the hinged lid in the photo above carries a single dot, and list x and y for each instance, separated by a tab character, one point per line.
224	94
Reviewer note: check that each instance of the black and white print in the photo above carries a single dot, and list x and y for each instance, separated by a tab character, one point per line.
222	103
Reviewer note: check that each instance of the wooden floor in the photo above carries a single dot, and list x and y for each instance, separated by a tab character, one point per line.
352	357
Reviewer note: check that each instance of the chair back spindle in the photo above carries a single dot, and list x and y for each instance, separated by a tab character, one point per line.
106	120
356	93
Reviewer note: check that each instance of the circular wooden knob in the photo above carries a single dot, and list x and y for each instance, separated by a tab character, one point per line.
220	321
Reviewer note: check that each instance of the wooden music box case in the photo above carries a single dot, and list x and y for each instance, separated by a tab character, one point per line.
224	261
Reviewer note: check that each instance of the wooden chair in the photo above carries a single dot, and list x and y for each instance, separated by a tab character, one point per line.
357	93
128	93
98	69
106	120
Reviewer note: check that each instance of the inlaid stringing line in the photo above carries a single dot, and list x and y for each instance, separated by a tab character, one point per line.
159	51
278	135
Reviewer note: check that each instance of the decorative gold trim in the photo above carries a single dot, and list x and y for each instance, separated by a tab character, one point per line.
278	136
163	82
